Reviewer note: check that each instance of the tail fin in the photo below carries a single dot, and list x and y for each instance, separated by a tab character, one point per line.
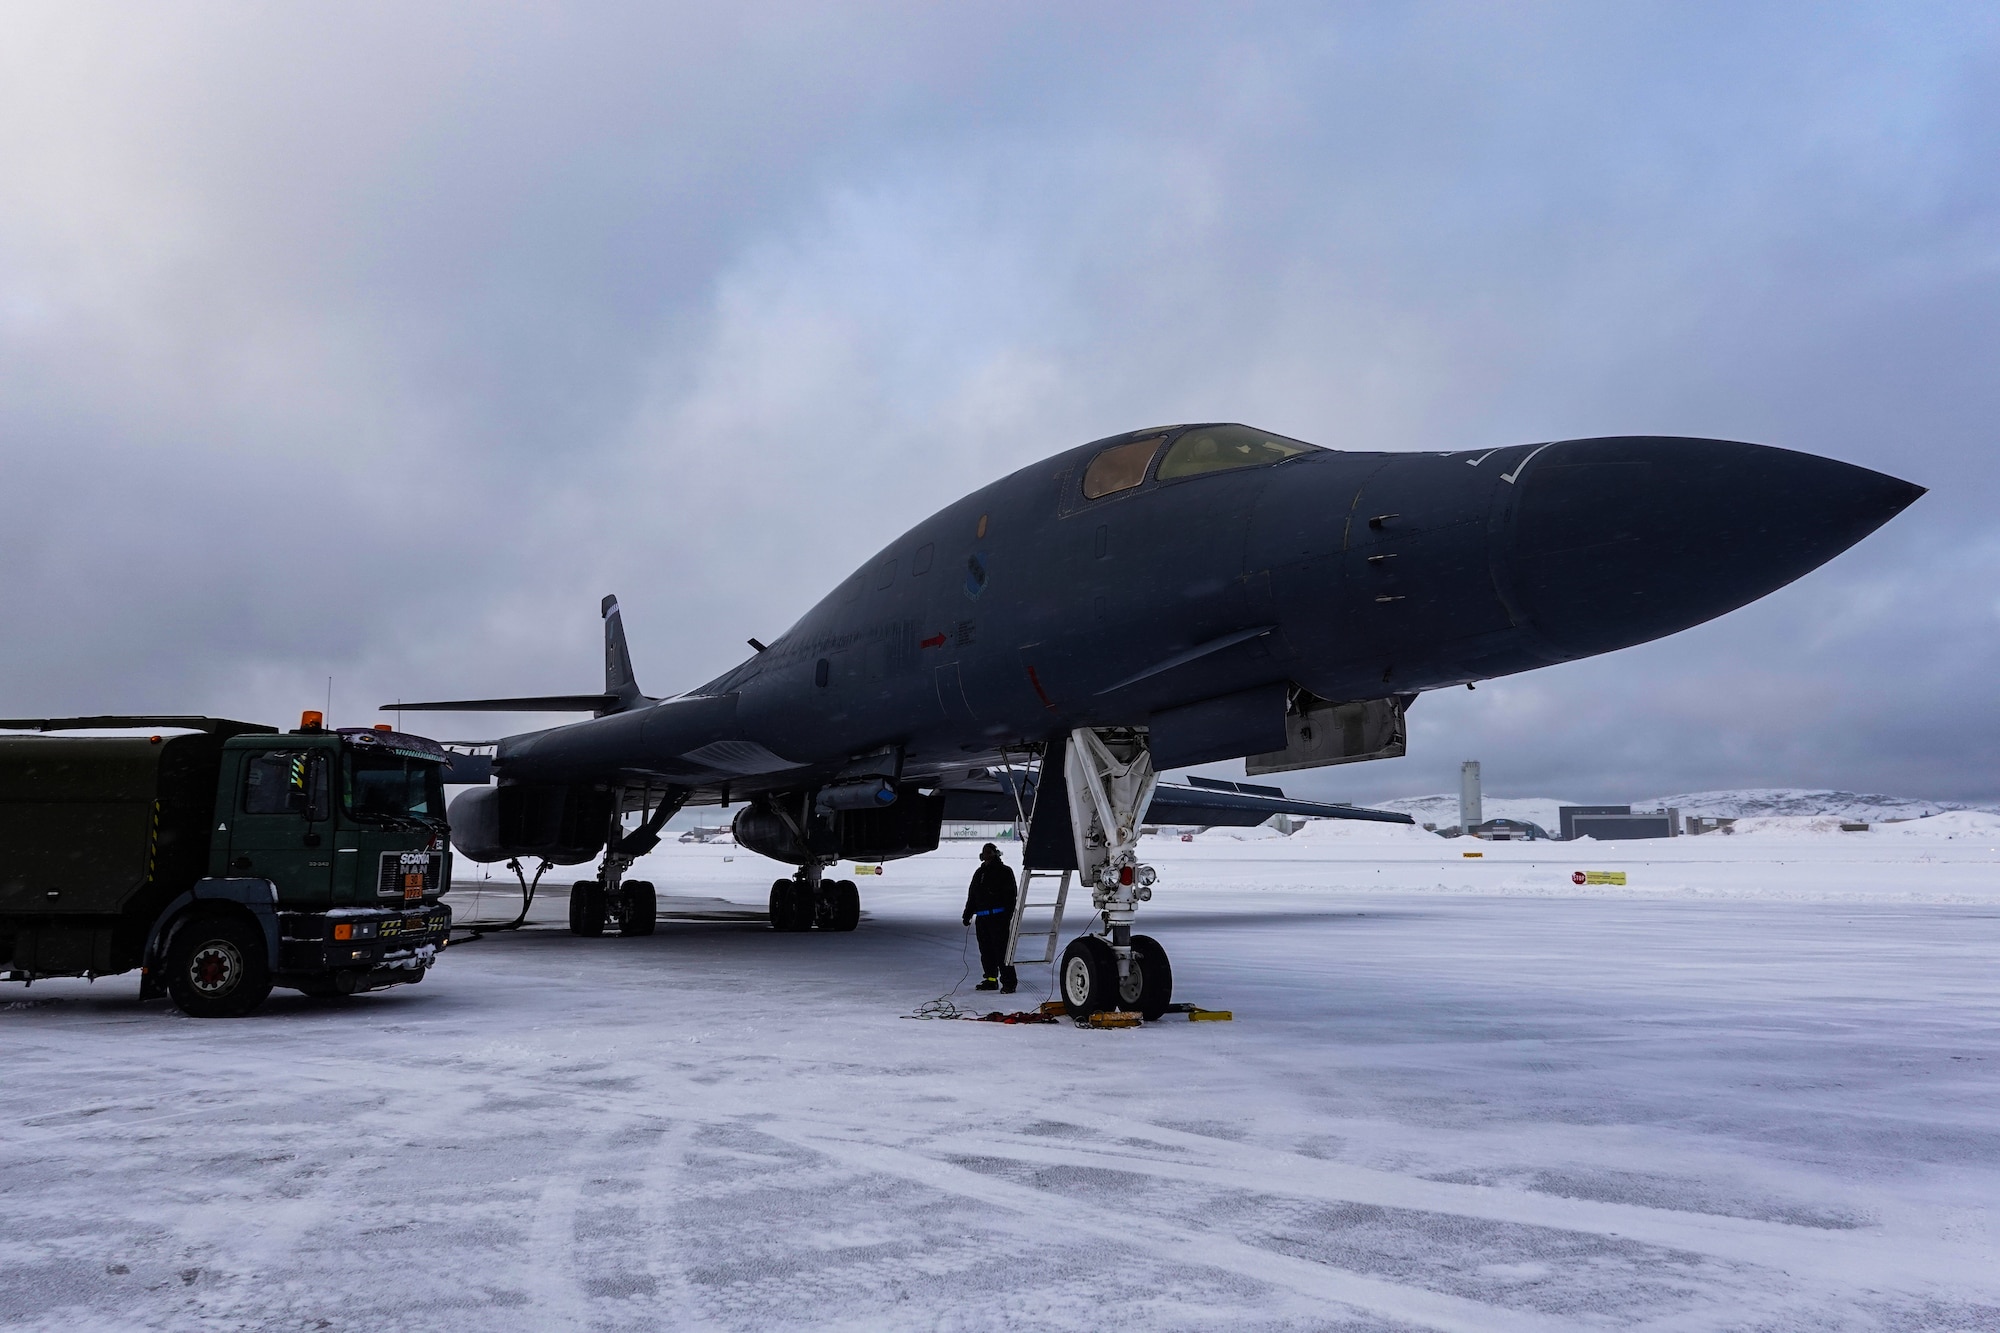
618	679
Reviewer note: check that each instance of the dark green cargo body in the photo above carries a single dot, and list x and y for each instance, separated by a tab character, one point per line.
94	828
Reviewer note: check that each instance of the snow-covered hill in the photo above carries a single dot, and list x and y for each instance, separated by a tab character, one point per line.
1792	801
1748	803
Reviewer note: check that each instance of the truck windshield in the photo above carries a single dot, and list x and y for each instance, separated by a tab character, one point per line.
388	784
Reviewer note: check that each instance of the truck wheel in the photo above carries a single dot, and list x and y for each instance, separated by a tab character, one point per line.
217	967
642	909
586	908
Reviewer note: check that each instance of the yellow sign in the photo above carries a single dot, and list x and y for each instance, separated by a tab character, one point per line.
867	870
1597	877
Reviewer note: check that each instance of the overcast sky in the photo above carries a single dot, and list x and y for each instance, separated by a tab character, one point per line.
380	341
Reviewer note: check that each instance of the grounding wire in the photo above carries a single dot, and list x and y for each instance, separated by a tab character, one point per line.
943	1006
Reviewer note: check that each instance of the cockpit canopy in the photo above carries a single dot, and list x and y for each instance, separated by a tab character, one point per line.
1196	450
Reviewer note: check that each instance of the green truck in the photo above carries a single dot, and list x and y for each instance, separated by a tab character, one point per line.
222	860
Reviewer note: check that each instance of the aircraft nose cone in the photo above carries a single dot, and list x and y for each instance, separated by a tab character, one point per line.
1617	541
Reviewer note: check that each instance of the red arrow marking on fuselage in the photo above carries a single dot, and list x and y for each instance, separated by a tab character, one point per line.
934	641
1040	693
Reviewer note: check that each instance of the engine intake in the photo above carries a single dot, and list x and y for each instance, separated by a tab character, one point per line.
804	830
565	825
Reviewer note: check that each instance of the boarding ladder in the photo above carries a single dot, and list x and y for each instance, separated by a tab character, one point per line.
1022	906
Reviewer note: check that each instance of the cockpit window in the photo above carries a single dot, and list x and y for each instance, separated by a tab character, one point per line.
1220	448
1119	468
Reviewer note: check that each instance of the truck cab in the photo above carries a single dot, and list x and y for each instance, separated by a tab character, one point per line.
225	862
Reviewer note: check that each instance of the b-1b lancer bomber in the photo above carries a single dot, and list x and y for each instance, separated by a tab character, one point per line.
1046	646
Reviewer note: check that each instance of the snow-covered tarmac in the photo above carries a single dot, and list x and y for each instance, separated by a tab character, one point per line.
1758	1088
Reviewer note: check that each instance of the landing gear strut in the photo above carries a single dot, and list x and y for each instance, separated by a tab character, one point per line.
809	899
1109	774
633	906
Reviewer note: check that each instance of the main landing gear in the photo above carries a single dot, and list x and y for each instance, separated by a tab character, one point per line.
612	902
808	899
632	907
1110	781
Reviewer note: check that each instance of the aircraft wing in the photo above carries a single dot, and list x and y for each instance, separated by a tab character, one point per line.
1242	804
540	703
1206	801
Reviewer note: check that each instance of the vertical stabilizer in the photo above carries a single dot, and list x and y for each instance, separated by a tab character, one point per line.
618	679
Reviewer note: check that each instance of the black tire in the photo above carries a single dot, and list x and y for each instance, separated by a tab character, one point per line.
642	908
218	967
1087	978
586	908
791	909
805	905
843	906
1148	987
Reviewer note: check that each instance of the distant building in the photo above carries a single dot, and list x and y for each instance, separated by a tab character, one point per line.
1616	823
977	832
1509	830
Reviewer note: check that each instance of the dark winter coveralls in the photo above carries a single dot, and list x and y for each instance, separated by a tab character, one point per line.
989	907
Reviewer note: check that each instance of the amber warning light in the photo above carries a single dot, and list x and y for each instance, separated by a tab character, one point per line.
311	720
383	726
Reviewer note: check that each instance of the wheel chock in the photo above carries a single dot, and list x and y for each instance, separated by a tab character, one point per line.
1110	1018
1053	1008
1210	1016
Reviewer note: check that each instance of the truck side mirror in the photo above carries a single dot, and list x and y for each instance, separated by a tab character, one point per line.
319	791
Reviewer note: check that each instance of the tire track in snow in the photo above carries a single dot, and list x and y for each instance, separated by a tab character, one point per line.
1322	1282
1853	1259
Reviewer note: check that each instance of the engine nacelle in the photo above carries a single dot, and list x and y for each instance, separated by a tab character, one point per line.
565	825
909	827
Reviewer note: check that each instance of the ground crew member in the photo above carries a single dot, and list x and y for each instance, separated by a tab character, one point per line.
989	909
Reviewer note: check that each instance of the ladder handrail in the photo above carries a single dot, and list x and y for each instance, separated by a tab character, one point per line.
1022	907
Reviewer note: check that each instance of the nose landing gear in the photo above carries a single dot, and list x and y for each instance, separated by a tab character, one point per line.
1109	779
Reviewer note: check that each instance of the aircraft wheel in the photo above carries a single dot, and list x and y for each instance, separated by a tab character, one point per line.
791	906
843	906
1088	977
1148	987
586	908
642	908
218	967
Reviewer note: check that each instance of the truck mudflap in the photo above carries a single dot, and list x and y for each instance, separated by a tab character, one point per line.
350	949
